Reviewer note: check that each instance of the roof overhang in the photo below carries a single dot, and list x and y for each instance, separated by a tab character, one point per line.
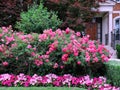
106	6
107	2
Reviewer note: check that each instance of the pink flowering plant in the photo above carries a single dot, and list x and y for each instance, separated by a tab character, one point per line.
97	83
52	50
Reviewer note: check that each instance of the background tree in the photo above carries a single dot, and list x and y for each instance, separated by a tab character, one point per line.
74	13
10	10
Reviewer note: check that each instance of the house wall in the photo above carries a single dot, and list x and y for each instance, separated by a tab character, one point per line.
109	12
116	10
116	7
116	13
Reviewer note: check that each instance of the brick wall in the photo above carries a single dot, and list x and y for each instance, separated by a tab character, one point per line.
116	8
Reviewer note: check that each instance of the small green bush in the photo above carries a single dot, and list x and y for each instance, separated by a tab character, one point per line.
36	19
113	72
118	50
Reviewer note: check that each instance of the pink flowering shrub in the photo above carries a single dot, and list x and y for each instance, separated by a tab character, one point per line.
52	50
97	83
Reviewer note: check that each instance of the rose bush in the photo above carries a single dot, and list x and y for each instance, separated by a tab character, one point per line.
98	83
53	51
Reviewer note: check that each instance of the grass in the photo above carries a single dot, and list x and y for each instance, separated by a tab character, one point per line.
41	88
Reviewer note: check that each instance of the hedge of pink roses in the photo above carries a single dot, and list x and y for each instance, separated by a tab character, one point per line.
53	48
98	83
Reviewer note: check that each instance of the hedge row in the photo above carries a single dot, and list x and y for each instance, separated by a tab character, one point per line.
113	72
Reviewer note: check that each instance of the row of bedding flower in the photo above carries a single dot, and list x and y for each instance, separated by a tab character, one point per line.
97	83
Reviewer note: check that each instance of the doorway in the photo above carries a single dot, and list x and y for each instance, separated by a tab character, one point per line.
95	29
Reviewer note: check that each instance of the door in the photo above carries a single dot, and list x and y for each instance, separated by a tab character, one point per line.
91	30
95	30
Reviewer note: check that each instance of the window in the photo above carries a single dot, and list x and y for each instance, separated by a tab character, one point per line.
118	1
117	29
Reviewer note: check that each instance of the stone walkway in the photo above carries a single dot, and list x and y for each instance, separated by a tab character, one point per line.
113	52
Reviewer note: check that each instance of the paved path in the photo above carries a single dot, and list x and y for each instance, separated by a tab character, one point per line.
113	52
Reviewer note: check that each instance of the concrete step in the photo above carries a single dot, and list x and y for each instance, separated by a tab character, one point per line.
112	51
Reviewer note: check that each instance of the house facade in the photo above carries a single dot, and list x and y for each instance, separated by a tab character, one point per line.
106	24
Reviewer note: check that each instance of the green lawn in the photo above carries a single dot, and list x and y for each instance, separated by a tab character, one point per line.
41	88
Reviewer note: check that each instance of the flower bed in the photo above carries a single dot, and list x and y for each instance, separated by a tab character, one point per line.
54	80
42	88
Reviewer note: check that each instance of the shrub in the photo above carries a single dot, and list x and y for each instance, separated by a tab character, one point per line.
36	19
57	52
118	50
113	72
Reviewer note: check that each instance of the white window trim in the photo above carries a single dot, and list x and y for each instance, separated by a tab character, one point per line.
117	1
118	17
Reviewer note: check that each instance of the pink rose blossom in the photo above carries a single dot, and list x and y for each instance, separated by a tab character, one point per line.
47	60
9	39
65	57
61	67
78	34
42	37
55	66
5	63
33	54
67	31
78	62
38	62
95	59
29	46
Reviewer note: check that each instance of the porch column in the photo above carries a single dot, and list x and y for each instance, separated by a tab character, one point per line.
110	28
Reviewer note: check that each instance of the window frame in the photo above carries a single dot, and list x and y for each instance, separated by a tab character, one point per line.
116	1
117	29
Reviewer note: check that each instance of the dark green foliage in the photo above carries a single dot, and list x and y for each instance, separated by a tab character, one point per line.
74	13
113	72
37	19
118	50
10	11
